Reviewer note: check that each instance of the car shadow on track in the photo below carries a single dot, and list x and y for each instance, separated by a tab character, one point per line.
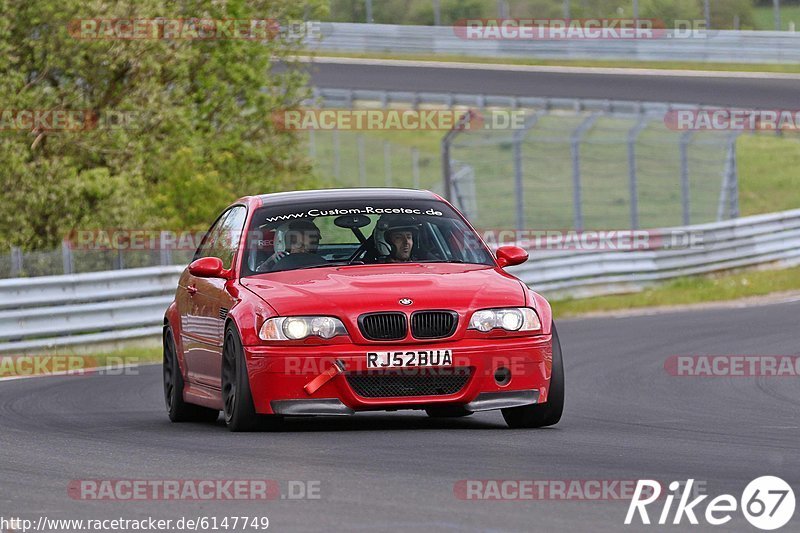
374	422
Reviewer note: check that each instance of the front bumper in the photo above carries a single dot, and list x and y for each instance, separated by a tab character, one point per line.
278	375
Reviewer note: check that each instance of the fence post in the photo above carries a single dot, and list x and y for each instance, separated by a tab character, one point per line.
336	155
728	196
415	165
734	177
575	151
776	8
684	152
362	165
16	261
518	190
164	251
312	146
633	135
66	257
447	171
387	163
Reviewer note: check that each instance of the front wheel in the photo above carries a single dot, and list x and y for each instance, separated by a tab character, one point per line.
548	413
239	410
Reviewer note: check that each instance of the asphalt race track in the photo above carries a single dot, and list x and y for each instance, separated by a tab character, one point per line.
765	93
625	419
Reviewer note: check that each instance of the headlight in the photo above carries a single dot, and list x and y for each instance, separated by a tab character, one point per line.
509	319
293	328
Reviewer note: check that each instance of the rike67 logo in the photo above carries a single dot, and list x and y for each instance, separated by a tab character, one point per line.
767	503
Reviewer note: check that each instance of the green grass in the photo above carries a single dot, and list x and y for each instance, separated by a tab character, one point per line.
49	361
688	290
663	65
764	17
769	173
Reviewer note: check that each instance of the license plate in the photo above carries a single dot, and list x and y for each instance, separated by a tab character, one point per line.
409	358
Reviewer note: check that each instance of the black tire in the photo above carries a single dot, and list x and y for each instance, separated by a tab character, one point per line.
447	411
240	413
177	409
548	413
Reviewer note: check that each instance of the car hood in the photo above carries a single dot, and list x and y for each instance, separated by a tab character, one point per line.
356	289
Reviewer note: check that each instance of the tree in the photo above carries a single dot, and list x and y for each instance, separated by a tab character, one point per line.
197	129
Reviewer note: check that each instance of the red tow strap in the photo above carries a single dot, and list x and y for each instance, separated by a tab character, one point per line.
312	386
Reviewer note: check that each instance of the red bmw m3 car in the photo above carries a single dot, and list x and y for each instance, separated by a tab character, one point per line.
332	302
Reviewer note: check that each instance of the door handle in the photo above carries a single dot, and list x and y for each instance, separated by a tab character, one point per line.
192	290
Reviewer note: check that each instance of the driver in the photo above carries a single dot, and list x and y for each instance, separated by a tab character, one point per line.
395	237
292	238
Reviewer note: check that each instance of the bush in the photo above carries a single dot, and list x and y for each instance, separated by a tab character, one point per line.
203	133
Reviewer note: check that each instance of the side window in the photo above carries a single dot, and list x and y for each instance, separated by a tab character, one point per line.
222	240
206	245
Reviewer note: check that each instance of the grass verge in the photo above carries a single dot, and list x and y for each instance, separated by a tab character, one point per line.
77	360
591	63
688	290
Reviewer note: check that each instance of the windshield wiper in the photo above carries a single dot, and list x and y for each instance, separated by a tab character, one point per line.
332	263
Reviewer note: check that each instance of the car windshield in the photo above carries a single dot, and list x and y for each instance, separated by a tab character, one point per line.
335	233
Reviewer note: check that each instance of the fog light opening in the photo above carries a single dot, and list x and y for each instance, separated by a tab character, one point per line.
502	376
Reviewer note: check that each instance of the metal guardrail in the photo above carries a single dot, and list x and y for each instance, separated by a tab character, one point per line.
712	46
742	242
78	309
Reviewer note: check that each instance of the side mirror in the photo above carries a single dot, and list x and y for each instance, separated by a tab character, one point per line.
510	256
207	267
